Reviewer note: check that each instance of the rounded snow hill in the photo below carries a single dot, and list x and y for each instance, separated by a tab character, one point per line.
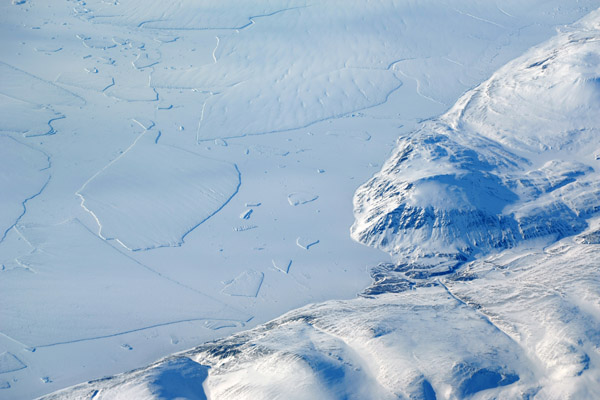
513	160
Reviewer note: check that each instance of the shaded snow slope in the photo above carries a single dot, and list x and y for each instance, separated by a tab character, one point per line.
513	160
501	298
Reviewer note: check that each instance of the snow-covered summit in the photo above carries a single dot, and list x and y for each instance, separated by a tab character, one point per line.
513	160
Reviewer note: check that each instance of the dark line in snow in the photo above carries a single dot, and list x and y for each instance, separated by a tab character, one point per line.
24	202
238	28
132	331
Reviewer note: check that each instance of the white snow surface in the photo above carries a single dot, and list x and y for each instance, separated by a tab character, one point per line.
152	196
23	176
175	172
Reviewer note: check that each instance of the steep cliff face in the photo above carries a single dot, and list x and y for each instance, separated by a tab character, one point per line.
512	161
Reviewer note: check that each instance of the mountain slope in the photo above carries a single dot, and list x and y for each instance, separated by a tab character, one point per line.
512	161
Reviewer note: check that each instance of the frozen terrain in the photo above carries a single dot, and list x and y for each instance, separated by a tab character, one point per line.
173	173
491	215
512	161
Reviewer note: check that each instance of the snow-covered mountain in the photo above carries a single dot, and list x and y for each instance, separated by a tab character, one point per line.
491	213
512	161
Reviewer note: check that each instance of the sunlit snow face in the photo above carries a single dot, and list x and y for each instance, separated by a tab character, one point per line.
552	94
436	195
461	193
